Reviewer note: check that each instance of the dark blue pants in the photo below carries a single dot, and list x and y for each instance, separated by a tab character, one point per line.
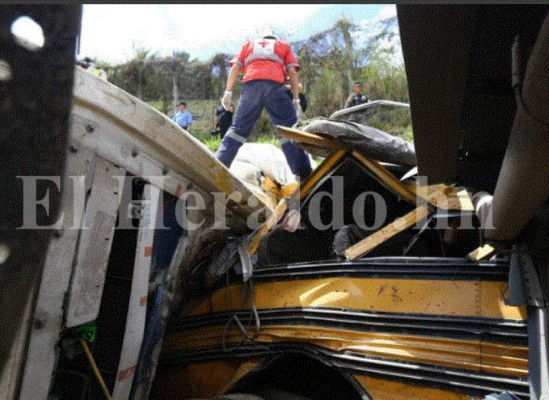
254	96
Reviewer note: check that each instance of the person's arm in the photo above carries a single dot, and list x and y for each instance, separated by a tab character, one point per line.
349	101
190	120
294	83
233	76
227	98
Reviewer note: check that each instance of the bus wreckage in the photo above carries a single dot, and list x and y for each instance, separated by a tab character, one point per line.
391	272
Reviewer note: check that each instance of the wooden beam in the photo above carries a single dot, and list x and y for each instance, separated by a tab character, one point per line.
398	225
267	225
319	172
310	138
386	177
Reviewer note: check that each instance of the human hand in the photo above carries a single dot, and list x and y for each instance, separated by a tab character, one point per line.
226	100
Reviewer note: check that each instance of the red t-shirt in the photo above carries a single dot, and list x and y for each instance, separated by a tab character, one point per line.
265	59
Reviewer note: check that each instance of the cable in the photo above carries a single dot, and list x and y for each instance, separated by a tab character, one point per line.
96	370
243	329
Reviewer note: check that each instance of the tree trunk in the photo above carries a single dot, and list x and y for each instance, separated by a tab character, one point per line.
139	86
175	90
345	31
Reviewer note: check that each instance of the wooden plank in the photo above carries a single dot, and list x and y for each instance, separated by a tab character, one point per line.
444	197
267	225
282	206
319	172
384	234
310	138
481	253
386	177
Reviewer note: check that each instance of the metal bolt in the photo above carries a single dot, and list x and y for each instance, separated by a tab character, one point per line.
4	253
39	323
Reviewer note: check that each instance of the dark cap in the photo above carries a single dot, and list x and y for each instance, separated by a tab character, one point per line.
182	103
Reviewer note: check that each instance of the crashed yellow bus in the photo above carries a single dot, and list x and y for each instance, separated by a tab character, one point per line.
394	271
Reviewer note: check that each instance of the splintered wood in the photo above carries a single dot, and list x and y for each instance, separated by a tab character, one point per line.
481	253
267	225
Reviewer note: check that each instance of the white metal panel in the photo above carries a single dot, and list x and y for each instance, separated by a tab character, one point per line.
48	316
113	143
94	247
137	308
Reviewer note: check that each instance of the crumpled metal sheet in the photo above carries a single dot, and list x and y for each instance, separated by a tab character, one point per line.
369	141
35	103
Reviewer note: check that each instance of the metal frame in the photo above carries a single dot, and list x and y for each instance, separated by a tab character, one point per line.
137	310
94	247
48	316
365	106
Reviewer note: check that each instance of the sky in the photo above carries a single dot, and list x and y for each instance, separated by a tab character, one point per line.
110	32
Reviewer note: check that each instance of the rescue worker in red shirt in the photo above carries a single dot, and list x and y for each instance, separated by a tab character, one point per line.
265	62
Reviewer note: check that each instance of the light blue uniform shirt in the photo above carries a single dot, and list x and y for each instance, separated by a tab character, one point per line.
183	119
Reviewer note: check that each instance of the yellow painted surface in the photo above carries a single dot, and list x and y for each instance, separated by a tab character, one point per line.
492	301
199	381
380	389
463	354
407	296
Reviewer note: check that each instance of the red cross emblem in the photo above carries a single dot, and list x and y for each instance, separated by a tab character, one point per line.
263	43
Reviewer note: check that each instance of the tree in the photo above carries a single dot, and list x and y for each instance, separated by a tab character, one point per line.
138	70
174	67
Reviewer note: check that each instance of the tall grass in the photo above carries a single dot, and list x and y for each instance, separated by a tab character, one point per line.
213	142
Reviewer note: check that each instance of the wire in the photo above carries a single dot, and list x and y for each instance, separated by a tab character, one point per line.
96	370
244	330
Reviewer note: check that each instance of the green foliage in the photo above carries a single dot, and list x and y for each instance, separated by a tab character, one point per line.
263	127
329	61
382	79
396	121
213	142
325	94
157	105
